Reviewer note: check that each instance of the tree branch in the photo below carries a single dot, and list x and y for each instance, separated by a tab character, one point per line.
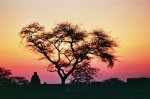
43	52
70	60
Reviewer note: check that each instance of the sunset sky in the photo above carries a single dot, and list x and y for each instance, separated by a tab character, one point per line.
126	20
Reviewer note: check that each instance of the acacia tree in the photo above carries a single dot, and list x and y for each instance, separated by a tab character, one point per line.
67	47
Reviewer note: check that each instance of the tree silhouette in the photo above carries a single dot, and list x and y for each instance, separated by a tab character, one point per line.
6	79
113	80
19	80
4	76
84	74
67	47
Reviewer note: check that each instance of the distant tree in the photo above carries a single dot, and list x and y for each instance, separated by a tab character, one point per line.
19	80
4	76
113	80
84	74
67	47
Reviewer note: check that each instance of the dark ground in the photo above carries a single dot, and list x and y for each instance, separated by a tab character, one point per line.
84	91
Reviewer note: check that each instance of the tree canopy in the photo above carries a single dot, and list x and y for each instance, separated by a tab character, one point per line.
67	47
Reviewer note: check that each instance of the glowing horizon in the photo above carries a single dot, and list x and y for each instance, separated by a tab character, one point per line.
128	20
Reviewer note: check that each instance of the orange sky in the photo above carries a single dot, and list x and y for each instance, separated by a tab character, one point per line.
128	20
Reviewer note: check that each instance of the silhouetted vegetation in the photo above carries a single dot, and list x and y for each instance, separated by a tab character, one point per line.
84	74
135	88
19	80
7	79
69	48
114	80
4	76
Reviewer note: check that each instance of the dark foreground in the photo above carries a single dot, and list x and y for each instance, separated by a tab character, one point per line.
99	95
77	91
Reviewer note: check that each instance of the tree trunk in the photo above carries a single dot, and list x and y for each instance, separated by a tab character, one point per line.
63	81
63	85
